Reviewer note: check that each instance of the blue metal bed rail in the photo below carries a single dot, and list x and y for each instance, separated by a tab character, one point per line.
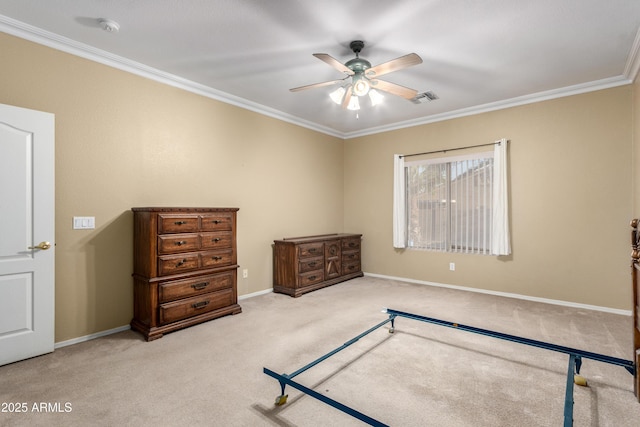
627	364
284	379
575	362
287	379
575	355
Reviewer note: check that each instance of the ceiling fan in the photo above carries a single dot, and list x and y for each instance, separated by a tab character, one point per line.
364	77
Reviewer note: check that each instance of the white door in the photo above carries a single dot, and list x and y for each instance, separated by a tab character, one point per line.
27	287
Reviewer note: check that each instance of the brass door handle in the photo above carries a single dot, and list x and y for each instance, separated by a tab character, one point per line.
43	245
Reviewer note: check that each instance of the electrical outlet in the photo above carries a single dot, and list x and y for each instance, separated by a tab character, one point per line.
452	266
245	273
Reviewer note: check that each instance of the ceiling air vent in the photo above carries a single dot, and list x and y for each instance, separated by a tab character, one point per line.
428	96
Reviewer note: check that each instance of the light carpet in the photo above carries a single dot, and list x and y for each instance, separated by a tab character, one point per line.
421	375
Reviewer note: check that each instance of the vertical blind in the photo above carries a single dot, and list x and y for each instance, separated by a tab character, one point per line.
449	203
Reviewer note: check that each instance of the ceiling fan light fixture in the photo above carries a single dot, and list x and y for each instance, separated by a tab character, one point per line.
337	95
360	85
354	104
376	97
360	71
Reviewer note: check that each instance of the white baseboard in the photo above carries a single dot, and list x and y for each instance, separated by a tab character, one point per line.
401	279
90	336
509	295
127	327
255	294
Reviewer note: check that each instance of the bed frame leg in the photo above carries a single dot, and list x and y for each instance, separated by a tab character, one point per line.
282	399
577	378
574	367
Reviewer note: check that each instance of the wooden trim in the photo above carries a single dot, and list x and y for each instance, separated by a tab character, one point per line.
635	277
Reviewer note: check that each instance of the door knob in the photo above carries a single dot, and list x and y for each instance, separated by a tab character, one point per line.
43	245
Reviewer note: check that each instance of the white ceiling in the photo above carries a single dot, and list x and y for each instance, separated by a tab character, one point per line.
478	55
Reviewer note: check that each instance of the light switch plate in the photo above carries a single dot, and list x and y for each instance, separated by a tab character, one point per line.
84	222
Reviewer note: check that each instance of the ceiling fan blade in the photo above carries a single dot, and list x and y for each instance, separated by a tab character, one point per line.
334	63
347	97
394	65
394	89
314	85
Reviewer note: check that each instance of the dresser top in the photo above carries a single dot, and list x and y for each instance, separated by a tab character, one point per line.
321	237
168	209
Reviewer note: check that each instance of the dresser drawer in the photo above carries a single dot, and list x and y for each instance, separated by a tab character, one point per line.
353	244
178	223
222	221
310	249
172	243
310	264
222	239
177	289
310	278
350	256
178	310
217	258
173	264
351	267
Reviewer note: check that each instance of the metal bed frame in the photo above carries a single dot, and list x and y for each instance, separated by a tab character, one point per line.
573	371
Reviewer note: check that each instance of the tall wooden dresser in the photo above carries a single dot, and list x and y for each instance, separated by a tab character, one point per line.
304	264
185	266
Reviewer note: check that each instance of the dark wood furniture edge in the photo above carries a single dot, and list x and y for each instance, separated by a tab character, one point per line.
318	237
635	279
151	334
167	209
186	275
300	291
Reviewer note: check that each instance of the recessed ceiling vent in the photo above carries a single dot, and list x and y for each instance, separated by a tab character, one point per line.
423	97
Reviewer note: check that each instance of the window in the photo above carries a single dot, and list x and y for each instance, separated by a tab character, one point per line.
449	203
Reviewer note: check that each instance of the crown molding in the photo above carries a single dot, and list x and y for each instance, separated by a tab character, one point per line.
633	60
499	105
46	38
54	41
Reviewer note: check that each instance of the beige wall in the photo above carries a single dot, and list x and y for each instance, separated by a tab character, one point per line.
125	141
571	176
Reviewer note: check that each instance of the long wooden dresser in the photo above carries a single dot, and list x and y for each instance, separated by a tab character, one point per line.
185	266
304	264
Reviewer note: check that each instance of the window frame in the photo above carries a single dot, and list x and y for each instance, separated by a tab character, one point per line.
449	244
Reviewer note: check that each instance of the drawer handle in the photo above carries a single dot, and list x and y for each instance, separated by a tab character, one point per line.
199	286
216	221
312	277
312	250
216	258
351	245
181	263
181	242
180	222
201	304
217	239
312	264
